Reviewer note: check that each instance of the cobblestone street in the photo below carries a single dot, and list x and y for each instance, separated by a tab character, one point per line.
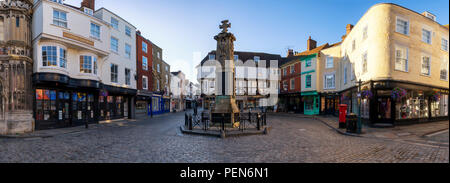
292	140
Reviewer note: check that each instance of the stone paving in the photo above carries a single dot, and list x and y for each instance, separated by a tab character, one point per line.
291	140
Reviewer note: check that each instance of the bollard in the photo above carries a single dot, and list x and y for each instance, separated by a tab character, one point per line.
223	122
186	120
258	125
190	122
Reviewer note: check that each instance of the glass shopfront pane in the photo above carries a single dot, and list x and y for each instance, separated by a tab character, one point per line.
413	106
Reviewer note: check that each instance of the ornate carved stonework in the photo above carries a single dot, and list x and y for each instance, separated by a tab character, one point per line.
16	66
225	106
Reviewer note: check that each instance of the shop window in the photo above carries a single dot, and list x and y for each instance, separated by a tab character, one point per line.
413	106
46	105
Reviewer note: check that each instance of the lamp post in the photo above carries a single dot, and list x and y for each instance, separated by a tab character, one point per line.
359	128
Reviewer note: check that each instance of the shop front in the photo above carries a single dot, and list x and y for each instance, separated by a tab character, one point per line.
400	103
329	104
116	103
61	101
311	102
166	104
156	105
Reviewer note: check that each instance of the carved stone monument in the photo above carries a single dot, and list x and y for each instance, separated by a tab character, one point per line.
225	106
16	67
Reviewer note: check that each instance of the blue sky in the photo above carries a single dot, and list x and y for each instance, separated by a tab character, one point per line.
183	27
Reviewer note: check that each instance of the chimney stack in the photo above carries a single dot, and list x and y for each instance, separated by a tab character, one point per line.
88	4
349	28
290	53
311	44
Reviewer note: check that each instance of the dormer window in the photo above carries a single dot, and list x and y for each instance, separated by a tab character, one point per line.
88	11
429	15
58	1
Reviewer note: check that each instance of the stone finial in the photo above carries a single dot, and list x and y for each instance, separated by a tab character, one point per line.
225	26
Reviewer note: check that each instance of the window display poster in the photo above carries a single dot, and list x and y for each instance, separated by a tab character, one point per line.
53	95
39	94
46	94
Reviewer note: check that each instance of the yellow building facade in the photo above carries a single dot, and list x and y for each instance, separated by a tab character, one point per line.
401	59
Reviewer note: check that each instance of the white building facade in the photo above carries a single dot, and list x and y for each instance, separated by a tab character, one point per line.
79	75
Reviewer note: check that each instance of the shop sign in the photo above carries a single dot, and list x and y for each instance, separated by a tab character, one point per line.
104	93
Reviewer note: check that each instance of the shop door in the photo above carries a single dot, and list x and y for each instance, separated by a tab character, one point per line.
329	109
384	110
64	109
90	108
79	108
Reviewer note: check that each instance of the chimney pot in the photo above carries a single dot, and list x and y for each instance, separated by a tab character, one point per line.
88	4
349	28
311	44
290	53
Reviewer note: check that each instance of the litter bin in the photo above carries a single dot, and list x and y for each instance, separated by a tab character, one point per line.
342	115
352	123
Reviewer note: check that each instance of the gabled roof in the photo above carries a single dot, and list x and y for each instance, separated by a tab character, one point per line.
313	51
246	56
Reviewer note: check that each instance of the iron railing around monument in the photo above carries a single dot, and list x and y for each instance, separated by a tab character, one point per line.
248	120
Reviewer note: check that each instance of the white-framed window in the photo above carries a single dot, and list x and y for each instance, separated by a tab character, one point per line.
144	47
49	56
364	63
345	74
211	57
257	59
86	64
114	73
365	32
444	69
144	82
115	23
401	58
329	62
167	68
158	68
95	31
426	65
88	11
58	1
144	63
402	26
114	44
426	36
285	72
292	84
292	69
352	74
167	79
353	45
329	81
236	57
62	58
128	31
127	76
157	85
444	44
127	50
60	18
159	55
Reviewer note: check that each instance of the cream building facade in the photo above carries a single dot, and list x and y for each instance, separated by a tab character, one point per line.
394	49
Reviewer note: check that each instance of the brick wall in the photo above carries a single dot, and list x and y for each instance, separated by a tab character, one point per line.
140	70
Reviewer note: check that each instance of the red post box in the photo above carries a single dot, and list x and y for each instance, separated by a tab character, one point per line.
342	115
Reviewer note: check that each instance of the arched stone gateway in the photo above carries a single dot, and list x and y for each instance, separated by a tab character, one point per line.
16	66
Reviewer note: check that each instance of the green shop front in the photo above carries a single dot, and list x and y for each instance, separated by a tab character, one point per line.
311	102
